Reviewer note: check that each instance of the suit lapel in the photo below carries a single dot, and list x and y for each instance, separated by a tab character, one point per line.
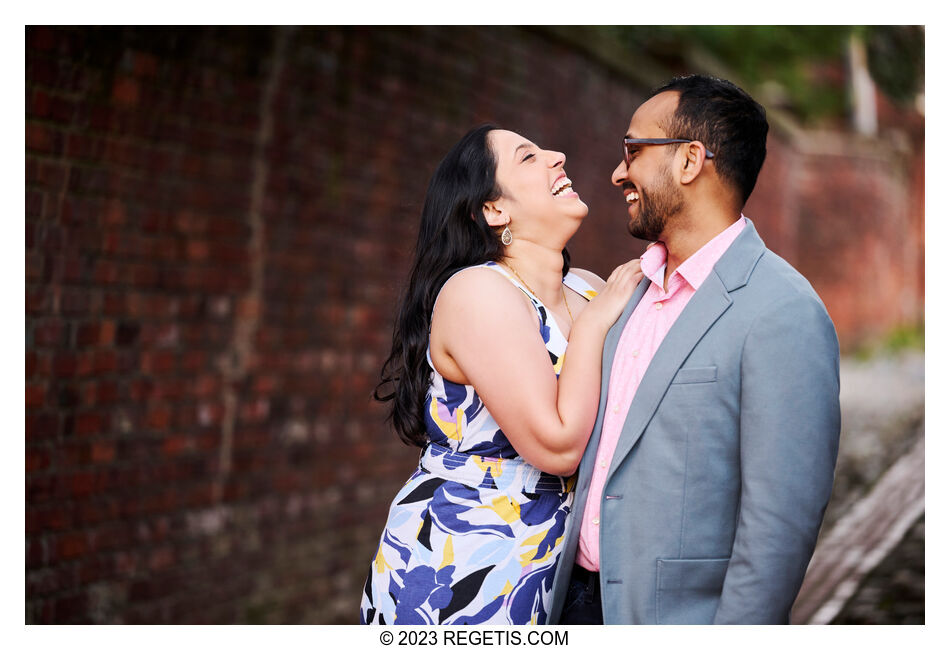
703	310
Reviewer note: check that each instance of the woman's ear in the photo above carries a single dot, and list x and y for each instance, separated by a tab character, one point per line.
693	162
495	215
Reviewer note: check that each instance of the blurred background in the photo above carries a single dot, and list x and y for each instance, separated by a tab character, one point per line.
218	225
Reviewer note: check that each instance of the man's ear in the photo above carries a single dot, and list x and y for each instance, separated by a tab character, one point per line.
693	162
495	215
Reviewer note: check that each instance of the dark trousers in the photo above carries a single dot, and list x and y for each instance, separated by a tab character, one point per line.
582	604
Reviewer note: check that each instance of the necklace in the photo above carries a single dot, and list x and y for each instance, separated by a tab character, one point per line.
528	287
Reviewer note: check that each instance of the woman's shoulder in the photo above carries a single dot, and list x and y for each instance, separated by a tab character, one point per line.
480	284
488	275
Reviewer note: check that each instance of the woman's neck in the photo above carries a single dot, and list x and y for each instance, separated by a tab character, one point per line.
539	268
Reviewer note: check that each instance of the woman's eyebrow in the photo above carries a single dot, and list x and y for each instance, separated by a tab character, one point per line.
523	145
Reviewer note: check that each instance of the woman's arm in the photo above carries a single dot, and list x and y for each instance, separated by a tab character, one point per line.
489	332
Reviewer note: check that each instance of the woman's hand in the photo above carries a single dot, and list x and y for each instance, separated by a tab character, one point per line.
610	301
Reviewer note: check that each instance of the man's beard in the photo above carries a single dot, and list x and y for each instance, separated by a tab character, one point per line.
656	208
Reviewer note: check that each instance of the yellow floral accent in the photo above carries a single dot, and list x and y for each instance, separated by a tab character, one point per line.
381	563
505	508
488	464
532	545
448	553
452	430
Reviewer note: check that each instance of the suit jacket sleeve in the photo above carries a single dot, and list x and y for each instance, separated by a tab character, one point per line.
788	435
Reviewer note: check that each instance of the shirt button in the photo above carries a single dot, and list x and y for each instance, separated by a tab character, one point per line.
595	521
636	353
603	463
615	409
659	306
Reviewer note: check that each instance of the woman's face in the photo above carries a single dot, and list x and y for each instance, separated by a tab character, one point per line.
536	192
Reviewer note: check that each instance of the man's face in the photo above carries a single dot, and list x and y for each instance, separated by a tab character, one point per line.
649	187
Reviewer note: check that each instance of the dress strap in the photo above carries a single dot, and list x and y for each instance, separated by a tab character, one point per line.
578	284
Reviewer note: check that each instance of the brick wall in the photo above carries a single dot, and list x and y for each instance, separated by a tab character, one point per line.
217	224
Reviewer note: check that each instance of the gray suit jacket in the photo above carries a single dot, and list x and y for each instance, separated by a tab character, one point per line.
724	466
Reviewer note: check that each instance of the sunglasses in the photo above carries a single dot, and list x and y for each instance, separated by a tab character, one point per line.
630	146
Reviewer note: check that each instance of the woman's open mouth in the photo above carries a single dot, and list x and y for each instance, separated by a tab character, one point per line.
561	187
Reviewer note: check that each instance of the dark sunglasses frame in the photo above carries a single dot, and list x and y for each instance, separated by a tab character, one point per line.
648	141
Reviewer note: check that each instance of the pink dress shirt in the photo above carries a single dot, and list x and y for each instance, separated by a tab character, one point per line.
642	335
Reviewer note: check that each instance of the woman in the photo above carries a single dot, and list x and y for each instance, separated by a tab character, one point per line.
485	387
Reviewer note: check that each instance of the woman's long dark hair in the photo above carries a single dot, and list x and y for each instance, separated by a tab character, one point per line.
453	234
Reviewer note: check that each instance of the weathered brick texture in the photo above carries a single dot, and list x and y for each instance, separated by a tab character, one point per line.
218	222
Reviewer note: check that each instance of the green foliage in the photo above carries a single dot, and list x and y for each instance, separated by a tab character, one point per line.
802	68
901	338
896	60
905	338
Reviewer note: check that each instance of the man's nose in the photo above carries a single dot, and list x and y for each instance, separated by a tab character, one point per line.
619	177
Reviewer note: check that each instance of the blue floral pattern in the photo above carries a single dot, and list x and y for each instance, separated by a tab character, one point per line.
475	534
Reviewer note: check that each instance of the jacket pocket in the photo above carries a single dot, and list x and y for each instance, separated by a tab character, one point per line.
695	375
688	591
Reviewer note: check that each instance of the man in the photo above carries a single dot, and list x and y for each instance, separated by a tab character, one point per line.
711	462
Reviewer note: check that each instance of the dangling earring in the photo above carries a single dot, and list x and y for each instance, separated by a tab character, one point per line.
506	237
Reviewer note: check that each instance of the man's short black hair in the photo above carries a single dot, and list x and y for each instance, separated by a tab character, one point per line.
724	118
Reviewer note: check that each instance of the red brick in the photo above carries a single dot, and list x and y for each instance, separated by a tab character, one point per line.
96	569
85	363
37	300
89	423
125	92
40	138
37	459
56	517
71	545
161	558
34	266
114	214
36	553
93	511
141	389
49	333
194	360
105	361
174	445
72	608
158	417
145	65
102	452
40	38
64	364
82	484
31	363
95	333
106	392
41	427
158	362
35	395
51	175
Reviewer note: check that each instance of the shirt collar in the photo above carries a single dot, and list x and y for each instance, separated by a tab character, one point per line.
697	267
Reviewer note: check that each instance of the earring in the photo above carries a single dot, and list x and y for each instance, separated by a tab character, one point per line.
506	237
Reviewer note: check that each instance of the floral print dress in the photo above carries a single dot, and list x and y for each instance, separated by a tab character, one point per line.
475	534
